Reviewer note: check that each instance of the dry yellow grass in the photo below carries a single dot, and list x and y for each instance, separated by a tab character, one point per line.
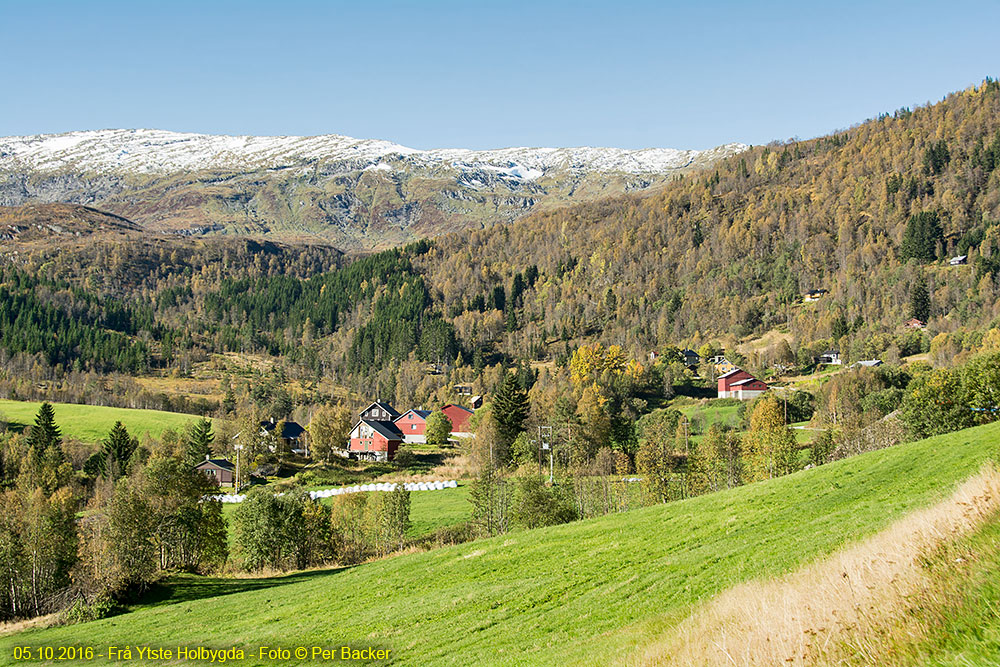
821	613
36	623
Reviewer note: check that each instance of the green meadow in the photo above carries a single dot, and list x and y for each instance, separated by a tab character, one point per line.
91	423
590	592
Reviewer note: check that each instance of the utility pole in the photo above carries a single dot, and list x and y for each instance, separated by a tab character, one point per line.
237	447
545	437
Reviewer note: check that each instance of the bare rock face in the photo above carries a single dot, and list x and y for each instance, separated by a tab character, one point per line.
357	194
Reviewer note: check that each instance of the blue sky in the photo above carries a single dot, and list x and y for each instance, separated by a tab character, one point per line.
484	74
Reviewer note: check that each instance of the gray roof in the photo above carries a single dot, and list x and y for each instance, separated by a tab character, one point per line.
290	431
225	464
736	384
385	406
387	429
423	414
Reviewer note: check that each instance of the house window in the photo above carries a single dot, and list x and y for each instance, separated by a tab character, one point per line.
413	427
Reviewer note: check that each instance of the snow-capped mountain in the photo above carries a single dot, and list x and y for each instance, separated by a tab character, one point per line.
360	193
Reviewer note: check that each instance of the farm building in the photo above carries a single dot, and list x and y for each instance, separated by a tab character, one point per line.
412	425
914	323
748	389
459	418
373	440
727	380
220	470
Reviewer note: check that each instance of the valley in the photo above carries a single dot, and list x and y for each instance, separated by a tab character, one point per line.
669	386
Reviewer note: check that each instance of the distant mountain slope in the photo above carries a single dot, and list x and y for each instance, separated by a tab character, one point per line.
33	222
356	193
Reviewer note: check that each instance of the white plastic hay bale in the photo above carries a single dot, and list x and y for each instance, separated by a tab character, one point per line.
452	484
438	485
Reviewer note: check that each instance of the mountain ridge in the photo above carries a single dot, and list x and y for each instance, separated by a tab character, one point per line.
356	194
113	150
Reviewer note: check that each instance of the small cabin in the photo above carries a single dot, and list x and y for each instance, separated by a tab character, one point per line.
959	260
222	471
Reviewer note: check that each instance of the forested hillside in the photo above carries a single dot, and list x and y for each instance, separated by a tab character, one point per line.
870	214
866	213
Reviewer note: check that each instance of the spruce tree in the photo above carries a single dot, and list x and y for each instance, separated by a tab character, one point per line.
44	433
199	444
920	300
116	450
510	410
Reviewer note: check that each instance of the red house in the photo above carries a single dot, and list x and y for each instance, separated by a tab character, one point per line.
413	425
374	440
459	418
727	380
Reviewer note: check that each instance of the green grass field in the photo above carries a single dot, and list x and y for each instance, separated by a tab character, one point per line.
91	423
590	592
429	510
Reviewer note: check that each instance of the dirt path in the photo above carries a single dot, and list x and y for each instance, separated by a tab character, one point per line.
810	616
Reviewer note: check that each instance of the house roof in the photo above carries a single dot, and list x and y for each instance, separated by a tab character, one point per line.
387	429
959	258
290	431
869	363
423	414
829	353
218	463
732	372
385	406
452	405
689	353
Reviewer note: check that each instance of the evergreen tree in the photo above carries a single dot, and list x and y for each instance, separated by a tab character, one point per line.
199	444
45	433
510	410
116	450
920	300
923	232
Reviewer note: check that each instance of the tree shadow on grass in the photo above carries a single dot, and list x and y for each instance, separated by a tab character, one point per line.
188	587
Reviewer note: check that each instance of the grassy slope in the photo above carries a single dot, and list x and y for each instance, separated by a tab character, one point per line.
584	593
91	423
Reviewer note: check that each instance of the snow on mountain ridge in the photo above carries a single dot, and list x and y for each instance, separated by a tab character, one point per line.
159	151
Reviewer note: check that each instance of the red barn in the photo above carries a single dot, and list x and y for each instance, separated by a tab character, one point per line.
749	388
459	418
727	380
374	440
413	425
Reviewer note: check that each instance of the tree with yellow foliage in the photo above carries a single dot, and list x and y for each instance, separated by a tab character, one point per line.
769	446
